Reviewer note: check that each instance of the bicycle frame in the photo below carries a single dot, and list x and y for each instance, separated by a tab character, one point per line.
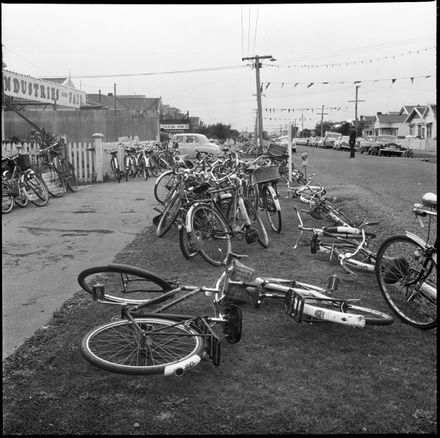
346	239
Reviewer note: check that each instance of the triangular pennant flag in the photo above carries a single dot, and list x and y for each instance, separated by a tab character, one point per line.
296	84
282	85
357	82
412	80
308	86
267	85
393	80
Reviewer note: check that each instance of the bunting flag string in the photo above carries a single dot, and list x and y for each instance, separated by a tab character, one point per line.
331	108
309	84
308	66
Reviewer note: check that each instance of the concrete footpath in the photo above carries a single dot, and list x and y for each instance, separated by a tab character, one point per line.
45	248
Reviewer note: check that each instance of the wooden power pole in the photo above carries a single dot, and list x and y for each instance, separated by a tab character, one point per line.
257	65
322	120
356	109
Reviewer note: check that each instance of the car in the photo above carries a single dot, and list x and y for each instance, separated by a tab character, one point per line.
365	143
319	142
330	138
341	144
189	144
383	141
284	141
395	150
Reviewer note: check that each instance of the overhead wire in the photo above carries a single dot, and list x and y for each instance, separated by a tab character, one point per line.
255	36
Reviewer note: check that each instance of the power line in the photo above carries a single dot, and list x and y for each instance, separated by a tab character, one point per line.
255	36
159	73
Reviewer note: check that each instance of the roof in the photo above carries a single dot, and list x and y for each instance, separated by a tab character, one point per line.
420	111
391	118
124	102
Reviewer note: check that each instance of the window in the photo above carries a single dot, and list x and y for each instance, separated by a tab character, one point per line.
429	130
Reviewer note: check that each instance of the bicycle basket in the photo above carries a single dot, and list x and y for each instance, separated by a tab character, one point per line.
24	161
267	173
277	150
238	272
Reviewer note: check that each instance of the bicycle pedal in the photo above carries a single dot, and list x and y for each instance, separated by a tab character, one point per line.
251	235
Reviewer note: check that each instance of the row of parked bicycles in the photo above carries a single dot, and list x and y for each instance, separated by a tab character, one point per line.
51	175
216	201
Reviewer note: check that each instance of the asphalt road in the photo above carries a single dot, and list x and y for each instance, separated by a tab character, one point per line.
44	248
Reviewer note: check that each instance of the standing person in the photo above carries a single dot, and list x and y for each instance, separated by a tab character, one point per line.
352	142
164	138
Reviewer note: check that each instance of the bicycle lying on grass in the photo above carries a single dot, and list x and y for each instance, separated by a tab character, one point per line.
406	271
146	341
348	244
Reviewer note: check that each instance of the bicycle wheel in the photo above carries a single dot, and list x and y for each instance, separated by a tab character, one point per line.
186	244
407	278
143	167
151	345
115	168
69	175
210	233
133	167
35	189
153	166
169	215
126	166
164	185
272	213
54	181
124	284
7	198
257	223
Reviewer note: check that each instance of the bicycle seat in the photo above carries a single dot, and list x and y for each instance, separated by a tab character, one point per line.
430	200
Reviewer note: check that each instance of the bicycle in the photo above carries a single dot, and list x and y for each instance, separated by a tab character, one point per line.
224	214
49	172
114	164
406	271
146	341
66	168
349	244
12	189
24	180
303	302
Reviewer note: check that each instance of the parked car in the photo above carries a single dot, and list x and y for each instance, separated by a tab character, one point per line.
188	144
365	143
341	144
395	150
330	138
383	141
284	141
319	142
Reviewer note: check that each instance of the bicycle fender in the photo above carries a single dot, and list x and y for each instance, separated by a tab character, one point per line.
179	368
275	197
415	238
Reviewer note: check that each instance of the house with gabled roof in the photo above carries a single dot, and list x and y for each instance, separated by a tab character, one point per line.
390	124
422	121
367	123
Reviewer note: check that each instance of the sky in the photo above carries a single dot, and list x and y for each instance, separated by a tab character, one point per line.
191	56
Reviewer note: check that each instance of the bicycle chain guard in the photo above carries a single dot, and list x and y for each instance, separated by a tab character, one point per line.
233	324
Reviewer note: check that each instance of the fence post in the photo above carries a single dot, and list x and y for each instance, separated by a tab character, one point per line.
99	157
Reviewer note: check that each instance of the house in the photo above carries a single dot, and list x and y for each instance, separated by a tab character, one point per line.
422	121
391	124
367	123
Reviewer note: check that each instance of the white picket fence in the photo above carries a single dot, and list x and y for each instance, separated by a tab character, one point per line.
91	161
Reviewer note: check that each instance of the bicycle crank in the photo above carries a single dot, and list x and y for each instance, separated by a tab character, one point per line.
251	234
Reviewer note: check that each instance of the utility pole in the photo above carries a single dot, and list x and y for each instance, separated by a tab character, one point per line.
257	65
356	108
322	120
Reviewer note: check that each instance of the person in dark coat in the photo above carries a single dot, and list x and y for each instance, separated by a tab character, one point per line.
352	142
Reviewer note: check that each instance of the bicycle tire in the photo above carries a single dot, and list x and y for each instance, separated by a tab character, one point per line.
405	274
126	166
133	167
54	181
257	223
210	233
186	244
272	213
153	166
35	189
164	347
164	185
7	200
69	175
169	215
143	167
125	284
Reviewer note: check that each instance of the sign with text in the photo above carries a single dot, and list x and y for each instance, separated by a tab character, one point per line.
26	87
174	126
